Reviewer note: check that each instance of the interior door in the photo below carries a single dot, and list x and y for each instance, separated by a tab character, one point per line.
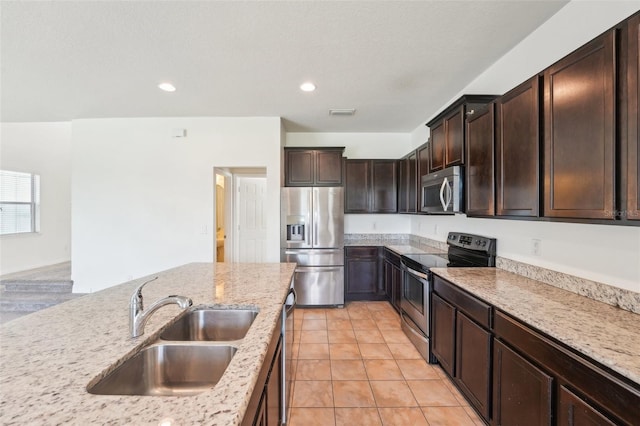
252	225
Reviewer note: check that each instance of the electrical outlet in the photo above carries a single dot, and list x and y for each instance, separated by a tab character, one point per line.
435	229
536	247
375	226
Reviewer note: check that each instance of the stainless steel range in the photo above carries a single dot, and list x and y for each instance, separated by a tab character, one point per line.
465	250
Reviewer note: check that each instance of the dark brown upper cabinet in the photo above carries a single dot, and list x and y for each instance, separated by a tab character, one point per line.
371	186
631	141
579	136
480	168
408	183
518	151
313	166
448	131
423	167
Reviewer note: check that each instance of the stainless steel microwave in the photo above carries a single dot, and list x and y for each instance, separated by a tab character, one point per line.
442	191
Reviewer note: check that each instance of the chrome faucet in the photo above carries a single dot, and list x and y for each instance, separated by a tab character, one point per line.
138	316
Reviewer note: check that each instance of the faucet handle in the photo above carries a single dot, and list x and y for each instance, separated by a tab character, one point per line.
136	298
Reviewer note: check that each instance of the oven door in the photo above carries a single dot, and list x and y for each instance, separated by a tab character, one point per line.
415	297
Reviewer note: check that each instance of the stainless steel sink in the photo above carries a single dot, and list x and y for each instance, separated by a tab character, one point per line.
168	370
208	324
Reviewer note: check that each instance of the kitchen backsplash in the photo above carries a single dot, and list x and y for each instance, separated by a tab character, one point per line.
624	299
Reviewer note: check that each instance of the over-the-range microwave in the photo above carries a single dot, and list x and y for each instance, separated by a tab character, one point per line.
442	191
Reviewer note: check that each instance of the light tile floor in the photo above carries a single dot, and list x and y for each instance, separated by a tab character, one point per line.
355	366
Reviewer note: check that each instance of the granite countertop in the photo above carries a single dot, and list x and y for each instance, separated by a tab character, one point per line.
398	246
47	358
603	332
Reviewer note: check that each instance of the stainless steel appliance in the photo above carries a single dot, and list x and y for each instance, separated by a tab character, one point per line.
312	235
465	250
442	191
288	334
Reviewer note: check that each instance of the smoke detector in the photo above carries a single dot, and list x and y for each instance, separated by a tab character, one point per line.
343	111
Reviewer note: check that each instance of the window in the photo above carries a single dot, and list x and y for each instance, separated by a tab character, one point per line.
19	202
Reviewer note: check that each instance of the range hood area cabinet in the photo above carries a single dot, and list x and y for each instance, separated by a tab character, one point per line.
313	166
448	131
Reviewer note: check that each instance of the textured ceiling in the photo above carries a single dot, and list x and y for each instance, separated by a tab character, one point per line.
396	63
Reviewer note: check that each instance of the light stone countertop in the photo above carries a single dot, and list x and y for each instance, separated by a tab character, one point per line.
603	332
47	358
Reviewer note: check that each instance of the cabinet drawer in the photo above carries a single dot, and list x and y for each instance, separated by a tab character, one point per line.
474	308
392	257
352	252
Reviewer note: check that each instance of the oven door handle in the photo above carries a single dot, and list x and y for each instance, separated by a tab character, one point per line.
417	274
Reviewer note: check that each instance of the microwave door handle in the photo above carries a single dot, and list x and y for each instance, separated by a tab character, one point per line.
449	195
444	183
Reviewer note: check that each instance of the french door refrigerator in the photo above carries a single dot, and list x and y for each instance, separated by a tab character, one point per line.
312	235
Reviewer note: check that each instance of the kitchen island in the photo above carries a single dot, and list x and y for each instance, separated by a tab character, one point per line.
48	358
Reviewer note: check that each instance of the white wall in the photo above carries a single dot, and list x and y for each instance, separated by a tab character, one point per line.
608	254
363	145
357	145
44	149
143	201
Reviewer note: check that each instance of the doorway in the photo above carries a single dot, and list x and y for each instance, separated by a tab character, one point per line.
240	218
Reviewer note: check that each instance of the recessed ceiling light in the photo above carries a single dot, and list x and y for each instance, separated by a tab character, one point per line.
307	87
167	87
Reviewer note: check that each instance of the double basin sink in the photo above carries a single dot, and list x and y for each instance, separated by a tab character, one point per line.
189	357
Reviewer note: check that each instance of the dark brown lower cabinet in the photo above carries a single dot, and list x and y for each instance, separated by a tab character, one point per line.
473	363
362	271
576	411
392	277
443	337
265	404
522	392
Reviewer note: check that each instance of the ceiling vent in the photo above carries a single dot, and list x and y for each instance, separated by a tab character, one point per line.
343	111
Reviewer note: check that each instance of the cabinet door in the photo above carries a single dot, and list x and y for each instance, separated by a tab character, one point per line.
579	102
454	145
328	168
480	165
521	392
403	189
357	186
397	287
299	167
633	121
473	363
273	390
438	142
388	279
384	183
423	169
575	411
518	151
362	274
412	183
443	333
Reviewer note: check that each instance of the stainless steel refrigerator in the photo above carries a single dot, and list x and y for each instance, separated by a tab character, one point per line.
312	235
